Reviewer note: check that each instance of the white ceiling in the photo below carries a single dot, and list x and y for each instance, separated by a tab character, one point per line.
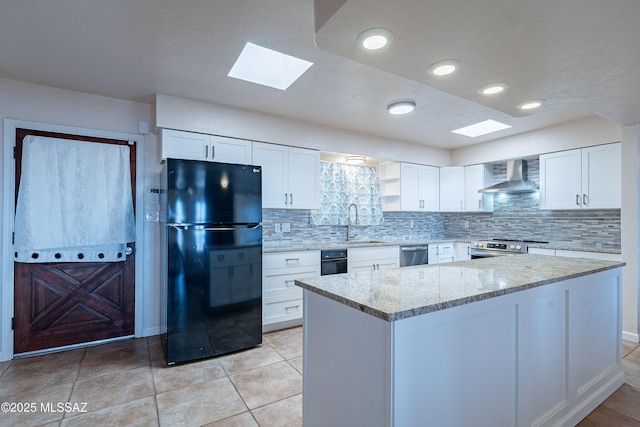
583	56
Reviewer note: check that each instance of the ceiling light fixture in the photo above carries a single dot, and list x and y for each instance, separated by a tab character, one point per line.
374	38
404	107
442	68
355	160
531	105
493	88
481	128
267	67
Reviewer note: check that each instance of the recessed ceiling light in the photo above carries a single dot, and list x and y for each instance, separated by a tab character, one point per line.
403	107
481	128
442	68
493	88
531	105
374	38
257	64
355	160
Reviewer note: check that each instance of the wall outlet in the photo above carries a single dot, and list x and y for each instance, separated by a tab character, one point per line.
466	224
278	227
286	227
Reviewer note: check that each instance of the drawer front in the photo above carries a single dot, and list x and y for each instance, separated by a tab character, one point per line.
367	254
283	284
281	309
291	259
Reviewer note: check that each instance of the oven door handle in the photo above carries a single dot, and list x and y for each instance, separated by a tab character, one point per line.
414	248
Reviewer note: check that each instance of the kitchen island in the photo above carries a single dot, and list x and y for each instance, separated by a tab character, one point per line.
505	341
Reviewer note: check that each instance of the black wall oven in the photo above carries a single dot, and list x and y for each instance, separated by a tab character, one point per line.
333	261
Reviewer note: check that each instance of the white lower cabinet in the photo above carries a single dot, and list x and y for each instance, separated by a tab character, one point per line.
282	299
373	258
463	251
441	252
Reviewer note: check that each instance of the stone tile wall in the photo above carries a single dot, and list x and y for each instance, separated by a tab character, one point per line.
515	216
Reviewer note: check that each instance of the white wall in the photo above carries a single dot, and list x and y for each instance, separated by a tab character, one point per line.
41	104
216	119
629	221
575	134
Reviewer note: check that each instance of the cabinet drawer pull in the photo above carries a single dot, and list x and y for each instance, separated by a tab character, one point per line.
292	307
296	260
289	283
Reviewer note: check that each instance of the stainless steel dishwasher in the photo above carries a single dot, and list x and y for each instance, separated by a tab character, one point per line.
414	255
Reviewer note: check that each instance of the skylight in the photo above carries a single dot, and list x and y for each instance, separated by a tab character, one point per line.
257	64
481	128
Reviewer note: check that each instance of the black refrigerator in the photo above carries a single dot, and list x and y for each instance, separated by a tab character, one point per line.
212	257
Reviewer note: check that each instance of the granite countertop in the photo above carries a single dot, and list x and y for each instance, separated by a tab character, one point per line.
571	246
411	291
343	244
286	246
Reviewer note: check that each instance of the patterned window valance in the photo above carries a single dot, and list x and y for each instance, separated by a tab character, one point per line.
340	186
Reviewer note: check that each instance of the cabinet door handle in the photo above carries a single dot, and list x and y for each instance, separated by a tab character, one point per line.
480	204
578	199
206	151
584	199
461	207
291	198
213	152
286	199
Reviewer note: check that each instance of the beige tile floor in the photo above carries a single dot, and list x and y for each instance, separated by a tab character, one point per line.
127	384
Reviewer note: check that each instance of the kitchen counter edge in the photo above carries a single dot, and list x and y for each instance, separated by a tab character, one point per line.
589	267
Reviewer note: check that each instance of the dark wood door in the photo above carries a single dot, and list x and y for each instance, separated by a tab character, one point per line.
60	304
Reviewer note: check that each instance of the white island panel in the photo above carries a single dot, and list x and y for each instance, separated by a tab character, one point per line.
451	372
473	343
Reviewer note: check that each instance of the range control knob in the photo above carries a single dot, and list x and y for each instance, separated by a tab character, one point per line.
512	247
518	247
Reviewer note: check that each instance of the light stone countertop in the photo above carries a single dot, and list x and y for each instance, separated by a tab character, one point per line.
269	247
411	291
288	246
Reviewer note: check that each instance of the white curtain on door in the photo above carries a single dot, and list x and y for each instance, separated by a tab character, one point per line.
74	202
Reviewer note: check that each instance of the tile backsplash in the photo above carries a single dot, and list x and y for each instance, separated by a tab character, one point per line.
515	216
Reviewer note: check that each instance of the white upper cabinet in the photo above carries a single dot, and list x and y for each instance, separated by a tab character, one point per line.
452	189
602	177
290	176
409	187
588	178
477	177
197	146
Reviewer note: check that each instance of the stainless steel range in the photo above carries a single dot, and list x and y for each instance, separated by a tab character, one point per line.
499	247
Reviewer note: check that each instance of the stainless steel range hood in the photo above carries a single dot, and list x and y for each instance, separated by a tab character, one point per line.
516	180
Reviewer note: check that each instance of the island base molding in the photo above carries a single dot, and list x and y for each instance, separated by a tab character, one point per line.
545	356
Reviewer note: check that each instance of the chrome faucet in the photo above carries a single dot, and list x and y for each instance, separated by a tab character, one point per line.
349	235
